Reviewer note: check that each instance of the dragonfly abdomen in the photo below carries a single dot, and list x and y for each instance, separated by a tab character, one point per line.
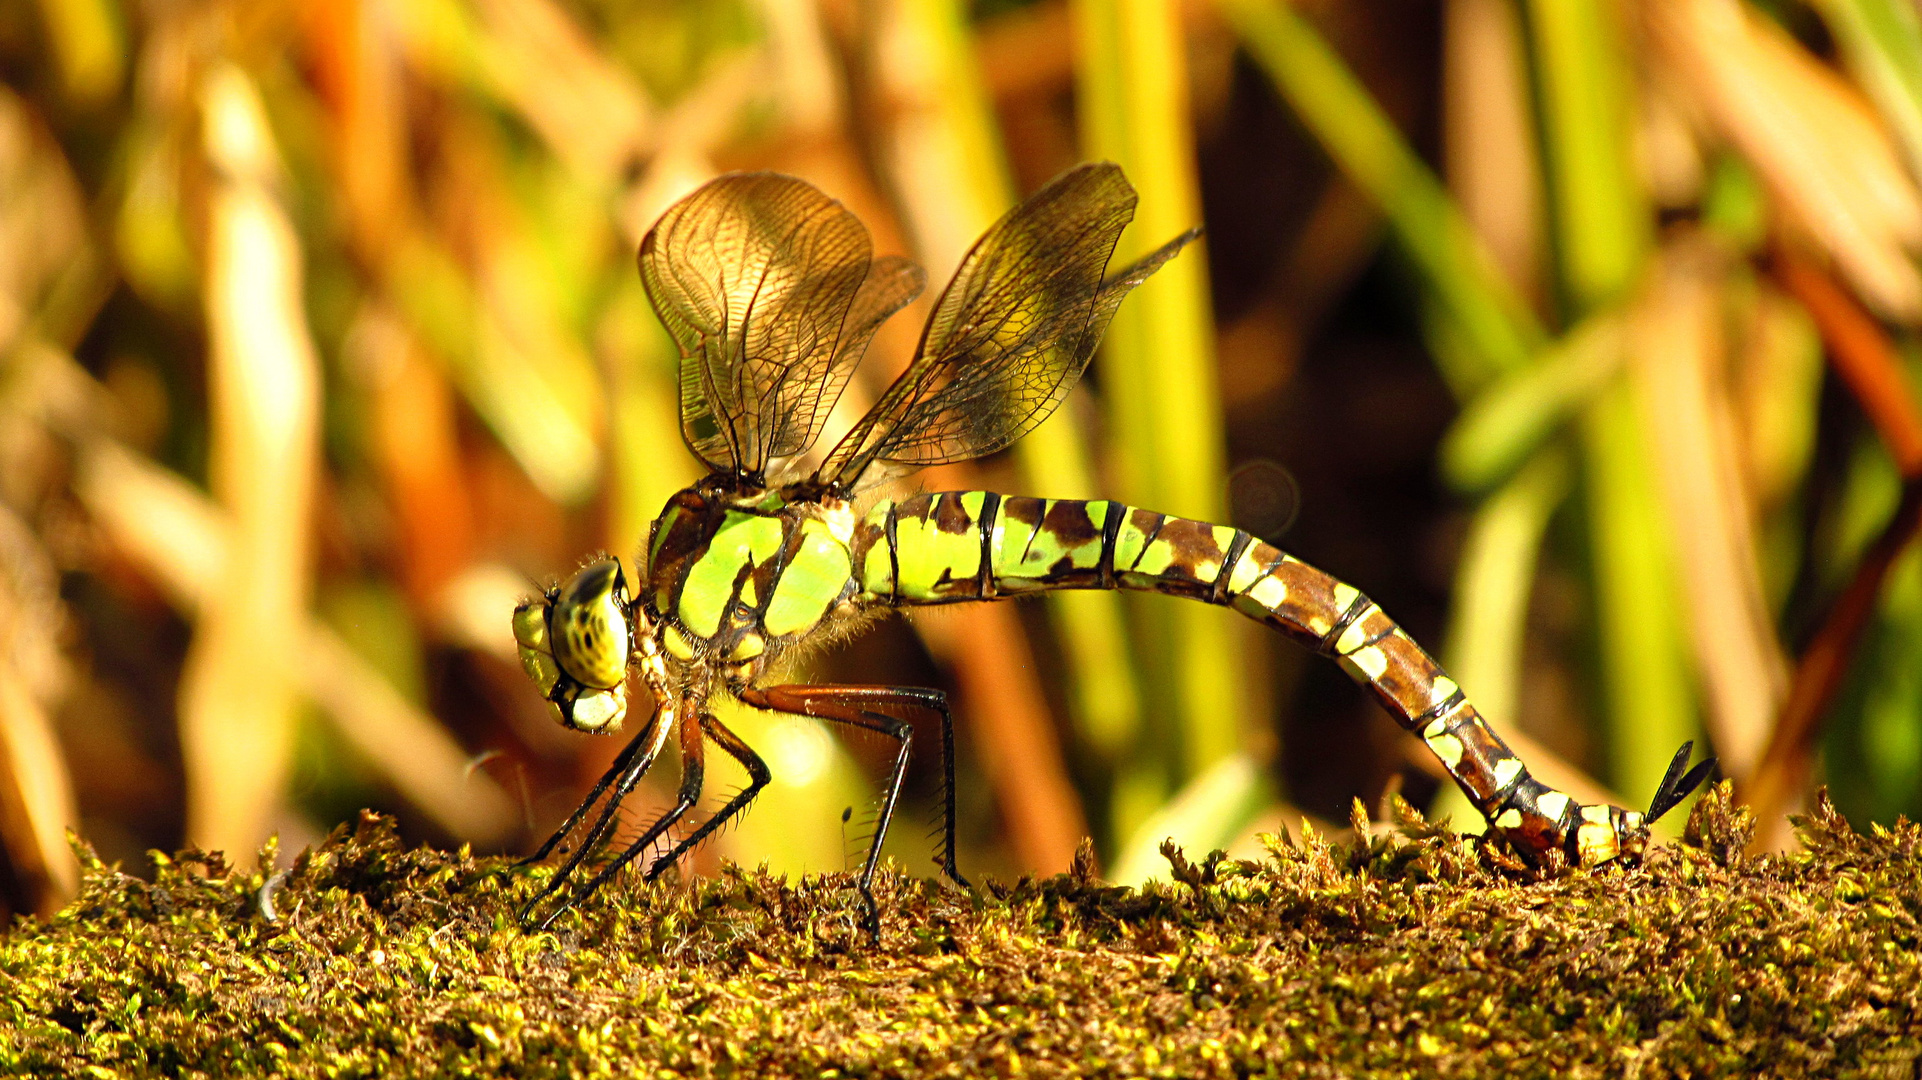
957	546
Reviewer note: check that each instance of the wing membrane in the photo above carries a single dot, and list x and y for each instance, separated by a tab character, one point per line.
769	290
1011	333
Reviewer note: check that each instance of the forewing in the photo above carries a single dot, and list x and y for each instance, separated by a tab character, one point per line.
765	285
892	283
1011	333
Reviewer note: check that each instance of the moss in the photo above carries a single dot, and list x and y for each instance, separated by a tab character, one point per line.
1406	952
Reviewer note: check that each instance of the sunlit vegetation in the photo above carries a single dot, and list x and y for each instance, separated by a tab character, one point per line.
1583	336
1402	952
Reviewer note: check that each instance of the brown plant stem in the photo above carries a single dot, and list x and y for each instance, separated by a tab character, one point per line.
1861	353
1865	359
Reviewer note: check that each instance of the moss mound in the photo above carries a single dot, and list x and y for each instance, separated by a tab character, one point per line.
1407	952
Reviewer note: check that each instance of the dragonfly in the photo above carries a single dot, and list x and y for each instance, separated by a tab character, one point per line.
771	291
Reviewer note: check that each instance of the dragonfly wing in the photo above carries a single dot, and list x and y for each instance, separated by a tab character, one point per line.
1011	333
769	290
891	285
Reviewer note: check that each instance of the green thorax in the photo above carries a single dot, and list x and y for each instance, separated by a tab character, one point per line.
732	572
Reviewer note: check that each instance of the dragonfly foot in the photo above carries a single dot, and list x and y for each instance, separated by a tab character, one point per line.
870	914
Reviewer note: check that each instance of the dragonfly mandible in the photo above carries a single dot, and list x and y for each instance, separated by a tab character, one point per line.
771	291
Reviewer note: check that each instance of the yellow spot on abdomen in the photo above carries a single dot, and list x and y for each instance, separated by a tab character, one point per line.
1506	770
928	556
1247	569
1345	595
1356	633
1366	665
1270	592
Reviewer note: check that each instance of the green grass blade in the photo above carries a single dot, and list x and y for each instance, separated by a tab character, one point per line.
1602	231
88	39
1488	623
1497	571
1504	424
1483	307
1054	459
1602	223
1649	691
1158	366
1892	706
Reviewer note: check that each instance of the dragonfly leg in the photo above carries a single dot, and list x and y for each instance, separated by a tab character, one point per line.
621	762
854	706
693	771
627	770
758	777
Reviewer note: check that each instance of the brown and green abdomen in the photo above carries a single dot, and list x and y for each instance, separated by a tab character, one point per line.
957	546
951	547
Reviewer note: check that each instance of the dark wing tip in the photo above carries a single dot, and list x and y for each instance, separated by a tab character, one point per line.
1676	784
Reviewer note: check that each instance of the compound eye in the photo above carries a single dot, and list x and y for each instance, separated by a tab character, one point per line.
530	625
541	668
530	636
588	626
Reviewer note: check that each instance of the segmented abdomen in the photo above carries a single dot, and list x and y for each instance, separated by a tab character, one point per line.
957	546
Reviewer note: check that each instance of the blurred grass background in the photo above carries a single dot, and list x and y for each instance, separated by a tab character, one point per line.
1584	333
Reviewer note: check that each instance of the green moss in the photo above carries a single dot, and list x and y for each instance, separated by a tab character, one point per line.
1408	952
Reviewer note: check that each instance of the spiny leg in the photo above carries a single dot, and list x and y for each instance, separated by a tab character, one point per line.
688	730
927	700
757	778
621	762
624	774
851	705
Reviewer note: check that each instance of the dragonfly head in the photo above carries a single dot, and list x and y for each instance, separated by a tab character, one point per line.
575	641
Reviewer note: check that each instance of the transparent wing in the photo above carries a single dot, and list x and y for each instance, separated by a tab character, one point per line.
1011	333
769	290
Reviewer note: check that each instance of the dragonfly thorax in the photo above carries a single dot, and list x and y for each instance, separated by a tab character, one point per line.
736	574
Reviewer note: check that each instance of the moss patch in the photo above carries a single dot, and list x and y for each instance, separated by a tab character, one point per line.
1407	952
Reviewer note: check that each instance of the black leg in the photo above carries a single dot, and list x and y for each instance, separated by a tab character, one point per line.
757	778
619	766
624	774
853	705
693	768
